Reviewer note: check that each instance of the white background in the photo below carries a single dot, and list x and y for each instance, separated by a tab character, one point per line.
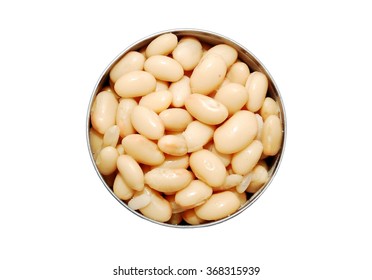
59	222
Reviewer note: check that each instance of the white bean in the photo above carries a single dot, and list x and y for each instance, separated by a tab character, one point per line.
244	161
167	179
157	101
131	172
173	145
256	85
175	119
164	68
208	74
197	134
218	206
121	189
106	160
259	178
124	111
195	193
208	168
272	135
236	133
158	209
188	52
147	122
228	53
140	199
162	45
103	111
134	84
269	107
131	61
206	109
142	150
238	73
234	96
181	91
111	136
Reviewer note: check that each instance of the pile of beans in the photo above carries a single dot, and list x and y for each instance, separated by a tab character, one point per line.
183	132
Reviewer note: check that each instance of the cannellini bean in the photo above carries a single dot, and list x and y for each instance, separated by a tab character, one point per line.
191	218
106	160
256	85
167	179
131	61
164	68
238	73
111	136
120	149
175	162
158	209
95	141
231	181
269	107
161	85
229	54
157	101
121	189
103	111
236	133
272	135
123	113
243	185
140	199
135	83
259	178
175	119
234	96
142	150
173	145
195	193
181	91
225	158
188	52
259	126
208	168
197	134
162	45
131	172
208	74
218	206
244	161
206	109
147	122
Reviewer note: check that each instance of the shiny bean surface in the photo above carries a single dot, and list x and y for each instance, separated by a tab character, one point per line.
218	206
135	83
147	122
208	74
208	168
236	133
164	68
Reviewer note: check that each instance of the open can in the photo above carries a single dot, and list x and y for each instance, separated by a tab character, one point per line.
245	56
